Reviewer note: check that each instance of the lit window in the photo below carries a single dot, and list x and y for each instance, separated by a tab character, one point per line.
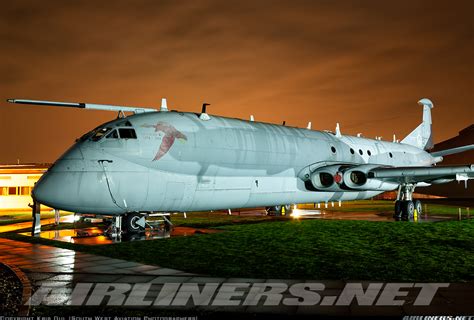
127	133
25	191
12	191
3	191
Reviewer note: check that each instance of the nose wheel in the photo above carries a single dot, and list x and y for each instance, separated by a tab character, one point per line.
134	222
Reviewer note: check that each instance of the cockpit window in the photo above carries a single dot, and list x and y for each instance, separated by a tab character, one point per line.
98	134
127	133
112	135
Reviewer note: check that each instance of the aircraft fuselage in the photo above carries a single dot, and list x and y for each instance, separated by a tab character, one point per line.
178	162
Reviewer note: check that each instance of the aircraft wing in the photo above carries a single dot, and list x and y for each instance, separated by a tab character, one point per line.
439	174
452	151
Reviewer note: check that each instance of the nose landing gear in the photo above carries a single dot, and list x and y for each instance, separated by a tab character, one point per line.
135	222
405	207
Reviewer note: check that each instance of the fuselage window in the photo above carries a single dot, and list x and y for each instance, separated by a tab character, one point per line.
390	154
352	151
333	150
12	191
361	152
369	153
112	135
127	133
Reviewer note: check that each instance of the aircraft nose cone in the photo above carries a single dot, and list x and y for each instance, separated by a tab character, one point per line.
44	190
56	190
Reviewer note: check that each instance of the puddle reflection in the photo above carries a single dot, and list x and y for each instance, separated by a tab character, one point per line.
96	235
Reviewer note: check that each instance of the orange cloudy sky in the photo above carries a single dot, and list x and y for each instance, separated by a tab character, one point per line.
364	64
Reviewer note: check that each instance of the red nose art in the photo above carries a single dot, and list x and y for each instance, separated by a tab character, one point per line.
166	144
170	135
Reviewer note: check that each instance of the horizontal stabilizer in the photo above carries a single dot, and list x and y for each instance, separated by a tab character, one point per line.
452	151
91	106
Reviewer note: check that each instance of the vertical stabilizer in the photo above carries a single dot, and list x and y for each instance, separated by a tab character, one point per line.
422	136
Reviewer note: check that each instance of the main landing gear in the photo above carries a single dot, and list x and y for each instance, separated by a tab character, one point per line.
405	207
280	210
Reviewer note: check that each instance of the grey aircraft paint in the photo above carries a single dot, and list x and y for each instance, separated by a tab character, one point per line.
174	161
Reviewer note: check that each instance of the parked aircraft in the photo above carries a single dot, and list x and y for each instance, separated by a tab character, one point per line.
169	161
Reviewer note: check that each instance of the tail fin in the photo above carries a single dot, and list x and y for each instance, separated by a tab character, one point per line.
422	137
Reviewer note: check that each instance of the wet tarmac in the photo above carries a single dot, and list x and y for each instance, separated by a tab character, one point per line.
97	235
367	216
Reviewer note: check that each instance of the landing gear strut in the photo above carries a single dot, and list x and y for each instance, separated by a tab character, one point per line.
405	207
281	210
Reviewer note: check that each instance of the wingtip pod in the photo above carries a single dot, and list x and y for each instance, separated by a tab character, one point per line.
426	102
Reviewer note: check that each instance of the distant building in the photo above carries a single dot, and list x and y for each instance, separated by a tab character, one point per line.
16	183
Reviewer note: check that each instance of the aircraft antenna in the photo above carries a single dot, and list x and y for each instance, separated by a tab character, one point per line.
204	116
164	105
338	131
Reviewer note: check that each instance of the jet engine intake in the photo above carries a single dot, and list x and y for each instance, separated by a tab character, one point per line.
357	179
328	178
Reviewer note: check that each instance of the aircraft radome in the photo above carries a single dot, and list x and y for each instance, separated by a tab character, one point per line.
171	161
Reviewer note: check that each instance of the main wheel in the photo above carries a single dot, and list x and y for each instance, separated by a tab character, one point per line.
418	207
408	210
398	209
134	222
